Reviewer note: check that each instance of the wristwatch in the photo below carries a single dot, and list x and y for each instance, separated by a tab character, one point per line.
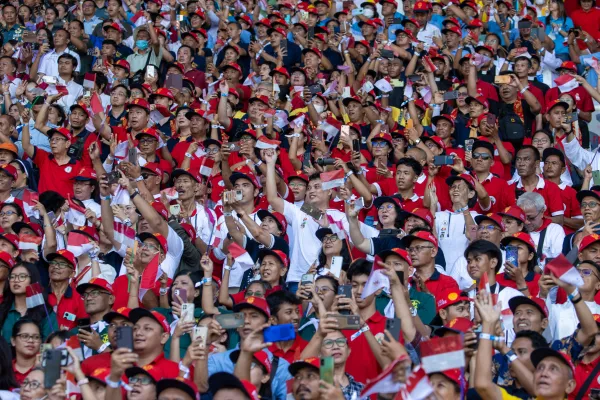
417	141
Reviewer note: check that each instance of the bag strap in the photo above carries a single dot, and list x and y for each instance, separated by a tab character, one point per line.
586	385
268	391
541	244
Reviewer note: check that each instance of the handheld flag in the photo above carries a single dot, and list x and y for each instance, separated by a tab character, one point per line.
384	85
384	383
121	197
35	295
79	243
29	242
441	354
566	83
76	213
565	271
89	80
265	143
331	126
418	386
124	234
150	276
332	179
96	104
377	280
207	166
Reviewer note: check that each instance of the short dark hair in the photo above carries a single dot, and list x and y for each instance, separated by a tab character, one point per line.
334	282
12	61
69	57
479	247
537	340
412	163
281	297
536	153
424	228
360	266
314	177
79	23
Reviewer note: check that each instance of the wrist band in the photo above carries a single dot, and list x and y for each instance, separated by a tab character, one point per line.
573	294
460	210
204	281
349	174
184	369
114	385
188	155
128	222
524	89
82	382
139	178
227	214
163	291
224	94
511	356
226	267
107	198
487	336
101	350
523	289
217	126
258	164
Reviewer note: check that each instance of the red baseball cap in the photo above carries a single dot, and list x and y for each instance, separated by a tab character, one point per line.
281	70
588	241
475	23
383	136
225	380
61	131
299	175
522	237
281	221
257	303
189	230
445	117
235	66
449	297
139	102
570	65
422	6
421	235
264	99
66	254
119	312
162	241
7	259
244	173
10	237
457	325
369	22
314	50
395	251
10	171
312	362
421	213
265	21
138	313
114	26
160	208
123	64
538	303
164	92
152	132
514	212
539	354
439	142
463	177
195	175
480	99
260	356
99	375
153	168
152	371
86	174
495	218
280	255
36	228
96	282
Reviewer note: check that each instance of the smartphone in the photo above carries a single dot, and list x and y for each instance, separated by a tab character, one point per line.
326	370
113	177
512	255
596	177
524	24
124	337
45	347
187	312
452	95
182	293
336	266
279	333
51	363
175	209
595	394
469	144
311	33
490	119
393	325
387	54
357	11
307	279
502	79
238	195
150	71
133	156
443	160
400	275
356	145
234	147
283	45
409	124
345	291
345	133
314	89
414	78
312	211
200	333
230	321
347	321
174	81
83	324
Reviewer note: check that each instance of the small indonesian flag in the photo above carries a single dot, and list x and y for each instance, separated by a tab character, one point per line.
344	68
240	256
384	383
384	85
79	243
35	295
332	126
408	90
171	193
121	197
96	103
299	121
425	93
207	166
159	113
377	280
479	60
592	62
566	83
124	234
565	271
418	386
331	89
484	285
337	227
281	119
29	242
429	63
265	143
441	354
89	80
522	52
29	199
150	276
76	213
138	19
122	150
332	179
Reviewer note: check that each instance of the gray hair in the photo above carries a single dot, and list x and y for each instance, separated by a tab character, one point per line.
532	199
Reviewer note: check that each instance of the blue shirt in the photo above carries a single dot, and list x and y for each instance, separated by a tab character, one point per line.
38	139
565	25
91	24
221	362
394	27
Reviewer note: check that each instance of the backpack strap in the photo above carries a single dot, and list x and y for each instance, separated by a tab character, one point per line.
586	385
540	247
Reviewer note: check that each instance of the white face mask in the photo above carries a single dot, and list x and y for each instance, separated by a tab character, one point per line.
319	108
540	2
367	12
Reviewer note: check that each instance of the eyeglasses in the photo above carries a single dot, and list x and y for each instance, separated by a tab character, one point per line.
340	342
19	277
57	139
147	141
379	143
481	156
7	213
32	384
587	272
245	138
330	238
323	289
144	380
297	184
59	265
212	151
250	293
590	204
540	141
150	247
93	294
26	337
388	207
418	249
490	228
534	217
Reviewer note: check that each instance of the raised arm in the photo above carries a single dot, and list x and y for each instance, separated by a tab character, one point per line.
275	201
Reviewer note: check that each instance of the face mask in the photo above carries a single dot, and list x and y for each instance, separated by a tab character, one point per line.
319	108
141	44
368	13
540	2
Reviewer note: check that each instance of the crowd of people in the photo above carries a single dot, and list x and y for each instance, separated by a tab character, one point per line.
326	200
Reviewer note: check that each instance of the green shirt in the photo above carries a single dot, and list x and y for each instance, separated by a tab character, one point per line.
424	304
13	316
15	32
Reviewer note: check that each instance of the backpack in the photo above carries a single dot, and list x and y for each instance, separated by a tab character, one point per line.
510	126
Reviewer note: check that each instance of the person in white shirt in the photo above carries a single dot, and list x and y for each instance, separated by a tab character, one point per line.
564	317
88	263
46	62
546	235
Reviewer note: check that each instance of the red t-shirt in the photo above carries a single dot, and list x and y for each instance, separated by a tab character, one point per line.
361	363
571	205
439	283
57	178
121	290
582	98
531	280
588	21
91	138
500	193
20	377
70	303
551	193
293	353
582	371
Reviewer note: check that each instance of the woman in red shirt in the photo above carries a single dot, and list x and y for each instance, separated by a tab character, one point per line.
26	340
522	277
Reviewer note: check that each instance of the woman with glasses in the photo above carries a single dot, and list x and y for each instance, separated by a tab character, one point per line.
326	288
14	305
9	214
333	246
522	276
26	341
335	345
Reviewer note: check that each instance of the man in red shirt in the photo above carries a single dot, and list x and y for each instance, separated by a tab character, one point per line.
284	308
587	17
422	248
584	101
57	169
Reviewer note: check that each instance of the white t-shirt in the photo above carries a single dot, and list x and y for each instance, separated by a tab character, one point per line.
563	319
450	228
461	275
553	242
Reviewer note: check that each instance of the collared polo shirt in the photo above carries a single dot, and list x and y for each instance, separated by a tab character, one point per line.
293	353
53	176
500	194
69	309
361	363
438	283
549	190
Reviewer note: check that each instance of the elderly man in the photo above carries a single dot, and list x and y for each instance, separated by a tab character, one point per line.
547	236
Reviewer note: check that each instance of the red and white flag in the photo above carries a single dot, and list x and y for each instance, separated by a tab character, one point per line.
384	85
76	213
566	83
207	166
332	179
159	113
299	121
332	126
418	386
35	295
121	152
29	198
29	242
171	193
79	243
265	143
241	258
150	276
124	234
337	227
89	79
565	271
384	383
377	280
121	197
96	103
443	353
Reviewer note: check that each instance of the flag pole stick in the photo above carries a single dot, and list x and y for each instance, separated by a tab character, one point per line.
209	246
48	316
